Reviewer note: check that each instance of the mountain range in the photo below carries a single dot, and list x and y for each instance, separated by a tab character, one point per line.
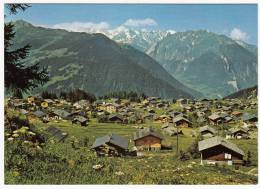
178	63
213	64
95	63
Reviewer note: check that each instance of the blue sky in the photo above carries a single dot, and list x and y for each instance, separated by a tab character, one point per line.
236	21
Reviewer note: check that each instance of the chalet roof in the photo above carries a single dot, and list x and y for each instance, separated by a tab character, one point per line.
23	111
175	113
207	128
113	139
115	115
146	132
179	118
165	125
217	140
247	116
39	113
19	103
223	114
234	130
236	113
61	113
80	119
214	116
56	133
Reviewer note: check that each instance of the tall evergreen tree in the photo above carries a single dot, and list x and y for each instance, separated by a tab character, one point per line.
19	77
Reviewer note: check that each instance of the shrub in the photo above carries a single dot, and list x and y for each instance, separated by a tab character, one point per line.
183	156
193	150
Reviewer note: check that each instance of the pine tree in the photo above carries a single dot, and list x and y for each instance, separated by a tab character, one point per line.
19	78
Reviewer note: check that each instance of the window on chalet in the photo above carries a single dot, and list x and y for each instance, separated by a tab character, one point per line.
227	156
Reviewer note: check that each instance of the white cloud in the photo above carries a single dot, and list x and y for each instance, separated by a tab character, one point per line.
237	34
140	22
89	27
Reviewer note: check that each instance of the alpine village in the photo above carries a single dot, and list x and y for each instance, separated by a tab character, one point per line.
63	127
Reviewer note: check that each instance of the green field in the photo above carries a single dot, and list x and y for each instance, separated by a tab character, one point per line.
64	163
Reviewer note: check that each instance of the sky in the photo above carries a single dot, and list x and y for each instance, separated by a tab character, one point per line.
236	21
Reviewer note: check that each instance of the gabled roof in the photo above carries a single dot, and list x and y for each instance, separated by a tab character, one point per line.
217	140
207	128
80	119
179	118
214	116
146	132
39	113
234	130
113	139
247	116
61	113
165	125
56	133
115	115
23	111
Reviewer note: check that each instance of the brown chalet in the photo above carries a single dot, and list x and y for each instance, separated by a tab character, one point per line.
217	150
162	119
147	139
215	119
236	113
182	122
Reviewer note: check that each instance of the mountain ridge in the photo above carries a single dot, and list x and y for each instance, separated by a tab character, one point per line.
74	60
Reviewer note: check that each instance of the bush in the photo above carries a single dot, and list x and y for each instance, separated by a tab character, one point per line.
183	156
193	150
102	118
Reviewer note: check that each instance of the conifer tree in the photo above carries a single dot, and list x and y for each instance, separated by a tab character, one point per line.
19	77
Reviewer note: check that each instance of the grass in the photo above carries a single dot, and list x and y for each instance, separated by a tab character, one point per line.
60	163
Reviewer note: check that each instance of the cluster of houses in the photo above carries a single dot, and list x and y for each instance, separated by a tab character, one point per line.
206	114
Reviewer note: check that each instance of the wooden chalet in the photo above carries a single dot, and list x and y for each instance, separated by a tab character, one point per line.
217	150
56	134
110	107
237	133
249	118
162	119
180	121
80	120
207	132
236	113
116	118
111	145
37	115
215	119
147	139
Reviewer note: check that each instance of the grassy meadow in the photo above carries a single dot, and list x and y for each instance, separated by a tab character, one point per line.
72	162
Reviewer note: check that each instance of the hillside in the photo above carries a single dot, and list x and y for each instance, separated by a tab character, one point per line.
94	63
245	93
212	64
